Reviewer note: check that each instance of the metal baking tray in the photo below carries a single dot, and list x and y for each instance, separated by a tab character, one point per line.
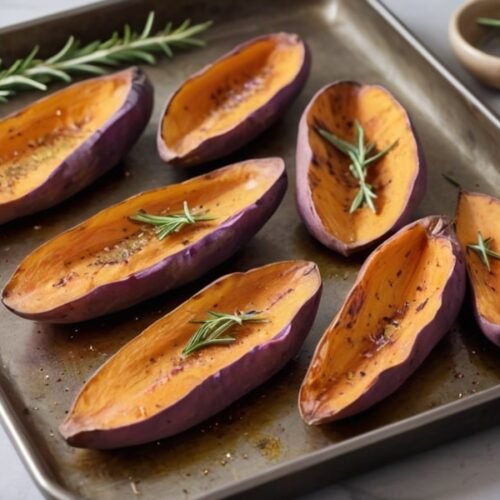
259	445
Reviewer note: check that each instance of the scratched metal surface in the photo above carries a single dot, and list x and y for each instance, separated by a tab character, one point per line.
42	367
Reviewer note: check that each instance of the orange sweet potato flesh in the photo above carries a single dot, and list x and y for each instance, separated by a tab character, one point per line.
393	177
481	213
36	140
396	296
110	247
150	374
229	91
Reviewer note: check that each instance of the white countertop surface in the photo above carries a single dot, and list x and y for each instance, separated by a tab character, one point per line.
463	470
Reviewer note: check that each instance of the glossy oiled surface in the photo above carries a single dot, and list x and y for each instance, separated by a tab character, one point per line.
398	295
226	93
35	141
479	213
264	429
333	188
150	373
110	246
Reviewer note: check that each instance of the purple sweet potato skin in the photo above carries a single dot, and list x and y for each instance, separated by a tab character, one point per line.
247	130
452	298
213	394
176	270
97	155
305	205
490	330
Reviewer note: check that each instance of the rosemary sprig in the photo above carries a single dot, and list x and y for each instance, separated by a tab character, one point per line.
97	57
482	248
359	153
168	224
212	331
489	21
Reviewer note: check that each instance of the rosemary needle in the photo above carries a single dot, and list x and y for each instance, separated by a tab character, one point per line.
213	330
489	21
173	223
97	57
451	180
482	248
359	153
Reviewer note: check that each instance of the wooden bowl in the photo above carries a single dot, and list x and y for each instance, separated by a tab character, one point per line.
468	40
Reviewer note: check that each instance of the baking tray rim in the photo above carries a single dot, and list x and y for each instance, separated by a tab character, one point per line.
45	479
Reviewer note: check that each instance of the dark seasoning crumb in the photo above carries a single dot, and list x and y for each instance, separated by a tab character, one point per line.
16	165
119	253
231	94
125	248
385	331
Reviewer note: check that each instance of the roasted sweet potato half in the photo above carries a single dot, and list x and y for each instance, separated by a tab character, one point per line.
406	297
478	218
150	389
230	102
61	143
327	188
110	261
